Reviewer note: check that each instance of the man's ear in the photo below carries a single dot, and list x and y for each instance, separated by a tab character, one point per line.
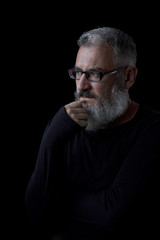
130	76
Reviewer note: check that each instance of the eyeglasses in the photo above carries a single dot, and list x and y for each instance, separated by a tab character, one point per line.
91	75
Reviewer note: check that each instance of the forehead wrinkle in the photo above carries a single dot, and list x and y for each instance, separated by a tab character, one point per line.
94	68
94	58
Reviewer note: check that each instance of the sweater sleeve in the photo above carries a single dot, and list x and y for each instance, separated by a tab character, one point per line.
47	180
137	175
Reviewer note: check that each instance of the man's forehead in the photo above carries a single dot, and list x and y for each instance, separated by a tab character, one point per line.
94	57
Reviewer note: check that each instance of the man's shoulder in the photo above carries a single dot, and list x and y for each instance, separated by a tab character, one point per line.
149	113
150	109
148	118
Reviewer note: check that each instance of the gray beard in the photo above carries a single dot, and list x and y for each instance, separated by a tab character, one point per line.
106	110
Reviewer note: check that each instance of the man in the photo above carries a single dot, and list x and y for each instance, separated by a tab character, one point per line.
95	175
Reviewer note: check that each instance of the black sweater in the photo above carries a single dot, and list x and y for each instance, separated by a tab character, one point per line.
97	183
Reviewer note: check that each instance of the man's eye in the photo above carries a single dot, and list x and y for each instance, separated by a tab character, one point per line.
78	73
94	74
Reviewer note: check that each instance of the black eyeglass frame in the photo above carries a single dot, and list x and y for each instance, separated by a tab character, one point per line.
102	74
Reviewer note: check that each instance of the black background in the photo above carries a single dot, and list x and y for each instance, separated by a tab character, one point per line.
39	46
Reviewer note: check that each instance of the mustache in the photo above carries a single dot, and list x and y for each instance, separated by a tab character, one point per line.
85	94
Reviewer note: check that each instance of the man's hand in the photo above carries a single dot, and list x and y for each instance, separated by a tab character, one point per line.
76	111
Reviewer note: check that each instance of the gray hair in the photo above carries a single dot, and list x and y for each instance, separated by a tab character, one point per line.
124	47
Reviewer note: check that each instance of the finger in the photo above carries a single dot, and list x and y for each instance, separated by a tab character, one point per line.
82	116
77	110
75	104
82	123
74	112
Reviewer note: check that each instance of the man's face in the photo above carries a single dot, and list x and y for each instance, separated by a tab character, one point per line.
100	59
105	100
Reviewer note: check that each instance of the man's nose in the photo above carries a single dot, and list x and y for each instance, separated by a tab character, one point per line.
83	83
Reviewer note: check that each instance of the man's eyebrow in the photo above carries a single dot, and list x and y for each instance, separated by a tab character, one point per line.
77	68
96	69
91	69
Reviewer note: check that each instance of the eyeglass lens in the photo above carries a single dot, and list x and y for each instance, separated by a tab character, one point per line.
91	75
